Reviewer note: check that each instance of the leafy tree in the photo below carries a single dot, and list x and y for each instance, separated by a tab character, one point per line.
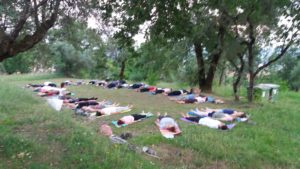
256	24
176	21
24	23
70	61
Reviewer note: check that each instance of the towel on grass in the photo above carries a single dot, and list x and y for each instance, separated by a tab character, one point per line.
55	103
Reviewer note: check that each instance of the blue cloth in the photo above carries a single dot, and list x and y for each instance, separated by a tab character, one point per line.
210	99
228	111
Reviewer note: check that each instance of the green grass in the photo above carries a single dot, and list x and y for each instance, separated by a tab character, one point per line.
34	136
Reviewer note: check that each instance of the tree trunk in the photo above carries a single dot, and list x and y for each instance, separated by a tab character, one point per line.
215	57
121	75
206	80
251	72
10	45
236	83
200	64
221	79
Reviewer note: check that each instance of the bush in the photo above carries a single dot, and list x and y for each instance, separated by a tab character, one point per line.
152	78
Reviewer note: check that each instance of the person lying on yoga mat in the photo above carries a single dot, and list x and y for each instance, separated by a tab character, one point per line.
220	114
76	100
85	103
162	91
146	89
136	86
98	107
206	121
113	110
34	85
132	118
225	114
177	93
199	99
167	124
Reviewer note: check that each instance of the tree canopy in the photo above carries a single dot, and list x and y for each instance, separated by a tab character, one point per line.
24	23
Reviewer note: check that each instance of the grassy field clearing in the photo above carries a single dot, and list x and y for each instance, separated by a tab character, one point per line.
32	135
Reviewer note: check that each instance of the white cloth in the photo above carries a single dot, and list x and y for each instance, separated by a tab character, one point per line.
200	99
209	122
55	103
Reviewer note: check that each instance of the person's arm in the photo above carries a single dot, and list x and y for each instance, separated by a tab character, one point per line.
157	122
177	130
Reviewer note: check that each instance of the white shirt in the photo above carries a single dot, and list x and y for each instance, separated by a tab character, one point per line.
209	122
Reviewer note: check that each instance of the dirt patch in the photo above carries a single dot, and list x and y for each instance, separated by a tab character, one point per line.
216	165
174	156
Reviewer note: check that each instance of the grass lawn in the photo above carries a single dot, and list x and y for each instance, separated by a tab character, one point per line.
32	135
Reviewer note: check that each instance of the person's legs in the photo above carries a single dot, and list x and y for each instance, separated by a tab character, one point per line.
193	119
138	116
190	101
228	111
144	90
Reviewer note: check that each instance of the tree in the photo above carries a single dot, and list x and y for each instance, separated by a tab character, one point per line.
200	22
24	23
257	24
70	61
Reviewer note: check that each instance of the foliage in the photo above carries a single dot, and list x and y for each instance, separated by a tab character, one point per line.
70	61
295	77
25	23
21	63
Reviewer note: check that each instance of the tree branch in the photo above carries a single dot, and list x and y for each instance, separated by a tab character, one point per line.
35	11
282	52
22	20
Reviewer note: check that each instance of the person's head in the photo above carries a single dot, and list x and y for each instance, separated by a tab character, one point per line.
243	115
98	113
171	128
196	90
62	85
120	122
223	127
105	130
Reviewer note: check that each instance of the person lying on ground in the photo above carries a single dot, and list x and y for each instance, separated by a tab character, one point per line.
52	91
113	110
176	93
126	120
87	102
199	99
112	84
98	107
220	114
93	82
136	86
50	84
146	89
231	112
167	124
206	121
76	100
34	85
162	91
